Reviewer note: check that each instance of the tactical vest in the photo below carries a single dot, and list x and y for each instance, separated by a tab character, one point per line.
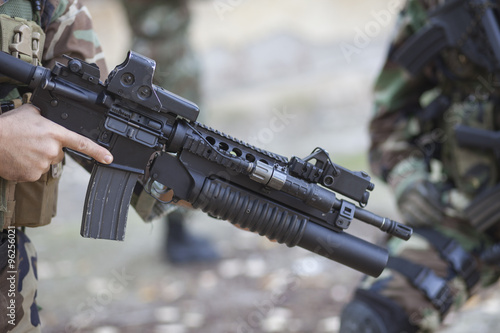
24	204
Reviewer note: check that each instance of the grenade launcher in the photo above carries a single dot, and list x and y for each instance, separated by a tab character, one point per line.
157	144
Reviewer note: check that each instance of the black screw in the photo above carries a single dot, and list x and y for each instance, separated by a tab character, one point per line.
127	79
144	92
75	66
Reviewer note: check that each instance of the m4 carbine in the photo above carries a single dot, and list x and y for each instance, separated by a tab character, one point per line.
483	211
157	143
470	26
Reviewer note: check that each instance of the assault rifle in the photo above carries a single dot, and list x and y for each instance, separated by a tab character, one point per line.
157	143
483	211
478	138
471	26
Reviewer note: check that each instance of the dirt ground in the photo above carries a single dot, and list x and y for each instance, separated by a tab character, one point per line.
259	59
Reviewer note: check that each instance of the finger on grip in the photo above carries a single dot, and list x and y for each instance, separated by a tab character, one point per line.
86	146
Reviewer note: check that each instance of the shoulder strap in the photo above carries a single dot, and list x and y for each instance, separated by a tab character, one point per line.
47	9
435	288
462	262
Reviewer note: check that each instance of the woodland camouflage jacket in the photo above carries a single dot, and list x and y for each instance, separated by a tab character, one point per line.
403	143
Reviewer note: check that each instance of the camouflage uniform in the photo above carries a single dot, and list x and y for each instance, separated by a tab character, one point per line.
160	32
434	181
68	30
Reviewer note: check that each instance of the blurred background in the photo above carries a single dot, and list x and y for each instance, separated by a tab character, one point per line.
309	66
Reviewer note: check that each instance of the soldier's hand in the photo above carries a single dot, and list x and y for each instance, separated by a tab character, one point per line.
30	143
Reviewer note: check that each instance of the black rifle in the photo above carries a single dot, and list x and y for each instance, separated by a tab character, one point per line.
155	139
478	138
483	211
468	25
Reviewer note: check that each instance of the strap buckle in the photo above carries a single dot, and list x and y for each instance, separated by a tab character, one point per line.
435	288
462	262
26	44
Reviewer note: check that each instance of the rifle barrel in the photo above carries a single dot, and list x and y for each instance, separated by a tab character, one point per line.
477	138
16	69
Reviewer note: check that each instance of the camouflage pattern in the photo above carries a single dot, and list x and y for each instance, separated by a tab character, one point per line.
402	145
18	287
68	28
408	152
69	31
160	31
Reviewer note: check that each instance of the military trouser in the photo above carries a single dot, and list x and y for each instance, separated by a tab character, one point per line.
161	32
428	276
18	283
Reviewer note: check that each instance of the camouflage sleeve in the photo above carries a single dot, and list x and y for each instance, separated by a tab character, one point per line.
70	32
394	128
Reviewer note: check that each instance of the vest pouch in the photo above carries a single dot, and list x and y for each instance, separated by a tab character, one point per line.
36	202
22	39
7	202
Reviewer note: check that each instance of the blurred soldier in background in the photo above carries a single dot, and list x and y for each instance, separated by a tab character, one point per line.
448	192
160	32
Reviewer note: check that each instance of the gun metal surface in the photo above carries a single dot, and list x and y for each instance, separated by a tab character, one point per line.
158	145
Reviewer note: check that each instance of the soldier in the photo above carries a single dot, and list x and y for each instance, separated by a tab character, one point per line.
160	31
39	32
420	98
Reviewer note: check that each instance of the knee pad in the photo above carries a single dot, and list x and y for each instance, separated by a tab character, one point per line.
370	312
